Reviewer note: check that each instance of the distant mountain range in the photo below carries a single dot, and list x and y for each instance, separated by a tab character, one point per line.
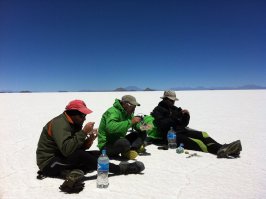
246	87
135	88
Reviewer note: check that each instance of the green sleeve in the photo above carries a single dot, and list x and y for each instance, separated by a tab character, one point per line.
115	125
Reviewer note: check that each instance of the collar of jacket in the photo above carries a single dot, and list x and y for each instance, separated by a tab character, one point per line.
117	104
164	104
68	118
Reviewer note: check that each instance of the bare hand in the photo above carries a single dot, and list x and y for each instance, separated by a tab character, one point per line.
135	120
93	134
88	127
91	137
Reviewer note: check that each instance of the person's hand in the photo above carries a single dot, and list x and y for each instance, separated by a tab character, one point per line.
88	127
91	137
93	134
135	120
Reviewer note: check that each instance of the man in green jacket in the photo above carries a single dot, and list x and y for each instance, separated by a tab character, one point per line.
63	143
114	126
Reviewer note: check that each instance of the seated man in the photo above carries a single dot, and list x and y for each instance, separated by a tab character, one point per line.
167	115
114	126
63	143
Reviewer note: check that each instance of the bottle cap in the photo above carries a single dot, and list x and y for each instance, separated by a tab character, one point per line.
104	151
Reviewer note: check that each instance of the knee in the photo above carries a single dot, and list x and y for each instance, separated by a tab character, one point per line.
123	144
205	135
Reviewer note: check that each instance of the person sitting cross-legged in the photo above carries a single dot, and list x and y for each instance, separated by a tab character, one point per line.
167	115
114	127
63	145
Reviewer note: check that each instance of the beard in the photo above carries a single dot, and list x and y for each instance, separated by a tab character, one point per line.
78	127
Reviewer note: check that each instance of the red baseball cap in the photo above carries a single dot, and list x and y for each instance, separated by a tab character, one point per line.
78	105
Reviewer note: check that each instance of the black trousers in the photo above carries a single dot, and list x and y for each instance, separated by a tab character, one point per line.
132	141
80	159
192	140
197	140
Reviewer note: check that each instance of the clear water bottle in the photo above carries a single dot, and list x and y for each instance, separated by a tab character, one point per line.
180	149
102	170
171	137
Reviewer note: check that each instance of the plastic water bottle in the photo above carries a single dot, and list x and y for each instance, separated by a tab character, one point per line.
180	149
171	137
102	170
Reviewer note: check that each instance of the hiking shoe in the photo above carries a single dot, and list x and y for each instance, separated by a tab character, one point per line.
237	153
163	147
131	154
73	182
64	173
131	168
148	141
40	175
141	149
232	149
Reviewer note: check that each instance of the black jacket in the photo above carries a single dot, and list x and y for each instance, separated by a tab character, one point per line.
166	117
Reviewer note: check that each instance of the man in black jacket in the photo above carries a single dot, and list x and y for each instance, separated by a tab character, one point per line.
167	115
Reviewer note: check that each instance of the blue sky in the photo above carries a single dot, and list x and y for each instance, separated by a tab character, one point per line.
48	45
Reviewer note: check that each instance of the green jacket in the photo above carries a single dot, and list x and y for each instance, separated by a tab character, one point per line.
114	125
59	137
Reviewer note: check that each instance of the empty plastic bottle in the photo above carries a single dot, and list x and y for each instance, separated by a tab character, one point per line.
171	137
103	170
180	149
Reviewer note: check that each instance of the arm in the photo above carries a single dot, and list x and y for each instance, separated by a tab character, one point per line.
115	125
66	141
180	116
163	119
